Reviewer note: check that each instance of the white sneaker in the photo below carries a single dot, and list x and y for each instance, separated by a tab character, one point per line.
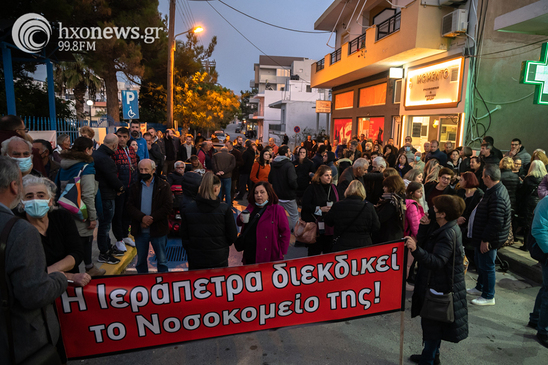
473	291
483	301
128	241
120	246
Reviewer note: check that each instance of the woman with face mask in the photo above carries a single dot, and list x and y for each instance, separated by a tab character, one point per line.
60	239
267	218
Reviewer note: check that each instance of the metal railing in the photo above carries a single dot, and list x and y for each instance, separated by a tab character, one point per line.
389	26
320	64
356	44
63	126
335	56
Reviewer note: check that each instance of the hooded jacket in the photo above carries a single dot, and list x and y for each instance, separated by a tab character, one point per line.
283	178
207	232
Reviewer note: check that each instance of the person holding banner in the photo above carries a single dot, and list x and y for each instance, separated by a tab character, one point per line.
318	199
354	218
208	227
438	250
266	217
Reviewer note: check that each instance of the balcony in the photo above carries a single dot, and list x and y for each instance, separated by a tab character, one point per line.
411	35
336	56
320	64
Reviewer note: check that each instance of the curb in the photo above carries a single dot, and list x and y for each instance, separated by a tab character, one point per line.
120	267
521	263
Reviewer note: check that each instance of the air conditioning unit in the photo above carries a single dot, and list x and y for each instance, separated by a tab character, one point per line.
454	23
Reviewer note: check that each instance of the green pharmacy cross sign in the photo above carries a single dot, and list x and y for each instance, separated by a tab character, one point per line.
536	73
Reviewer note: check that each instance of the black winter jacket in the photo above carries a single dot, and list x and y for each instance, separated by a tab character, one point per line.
283	178
346	178
512	183
248	158
317	195
162	202
471	204
190	183
391	224
303	171
528	198
106	173
493	217
207	231
356	234
434	255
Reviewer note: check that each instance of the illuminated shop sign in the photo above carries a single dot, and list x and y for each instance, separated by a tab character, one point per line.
435	86
536	73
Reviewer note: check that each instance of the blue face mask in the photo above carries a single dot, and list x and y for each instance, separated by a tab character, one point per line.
262	205
25	163
417	158
36	208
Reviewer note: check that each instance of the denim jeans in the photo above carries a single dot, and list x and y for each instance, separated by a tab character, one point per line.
159	246
103	230
431	348
540	311
121	219
485	264
226	186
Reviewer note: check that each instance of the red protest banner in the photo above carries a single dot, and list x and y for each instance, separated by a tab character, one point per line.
121	313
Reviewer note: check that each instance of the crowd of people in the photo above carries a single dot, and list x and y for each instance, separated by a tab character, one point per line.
447	204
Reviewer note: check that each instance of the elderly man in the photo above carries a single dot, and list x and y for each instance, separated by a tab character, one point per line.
408	148
354	172
110	186
149	205
32	290
223	164
45	149
373	181
488	227
487	155
426	150
63	144
20	151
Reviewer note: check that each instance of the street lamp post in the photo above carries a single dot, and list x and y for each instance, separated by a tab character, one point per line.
170	66
90	103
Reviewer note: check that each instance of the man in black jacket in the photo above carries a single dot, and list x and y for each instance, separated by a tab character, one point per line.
149	204
248	158
187	149
154	152
239	163
354	172
283	178
436	153
106	175
489	226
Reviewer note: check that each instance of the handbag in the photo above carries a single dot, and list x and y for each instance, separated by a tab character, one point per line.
439	307
305	232
47	354
239	244
71	198
534	249
336	239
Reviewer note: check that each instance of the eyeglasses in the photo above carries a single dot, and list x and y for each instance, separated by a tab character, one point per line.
445	178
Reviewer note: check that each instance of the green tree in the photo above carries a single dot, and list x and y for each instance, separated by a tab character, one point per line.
245	107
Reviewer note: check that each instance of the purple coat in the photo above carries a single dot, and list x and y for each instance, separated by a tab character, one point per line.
273	234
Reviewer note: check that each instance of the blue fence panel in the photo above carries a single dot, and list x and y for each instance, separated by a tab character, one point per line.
64	126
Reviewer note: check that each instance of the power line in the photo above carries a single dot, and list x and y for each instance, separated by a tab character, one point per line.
270	24
183	14
247	39
186	5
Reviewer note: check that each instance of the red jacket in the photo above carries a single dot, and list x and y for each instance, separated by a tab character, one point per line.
273	240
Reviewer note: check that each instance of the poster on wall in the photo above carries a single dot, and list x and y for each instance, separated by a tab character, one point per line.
370	127
342	129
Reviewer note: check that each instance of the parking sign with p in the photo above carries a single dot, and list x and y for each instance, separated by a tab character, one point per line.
130	104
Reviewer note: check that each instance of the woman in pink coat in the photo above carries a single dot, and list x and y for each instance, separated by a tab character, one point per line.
266	235
413	215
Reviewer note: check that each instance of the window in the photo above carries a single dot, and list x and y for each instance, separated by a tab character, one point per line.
308	89
344	100
373	95
397	91
282	72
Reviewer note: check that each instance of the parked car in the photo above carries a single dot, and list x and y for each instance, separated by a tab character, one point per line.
238	130
251	134
221	135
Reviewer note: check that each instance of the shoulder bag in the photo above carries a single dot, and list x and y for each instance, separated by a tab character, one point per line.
47	354
71	198
239	244
439	307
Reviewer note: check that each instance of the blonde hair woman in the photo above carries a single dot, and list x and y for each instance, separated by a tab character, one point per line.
208	227
354	218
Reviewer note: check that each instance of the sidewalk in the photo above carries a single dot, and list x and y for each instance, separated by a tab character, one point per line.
521	263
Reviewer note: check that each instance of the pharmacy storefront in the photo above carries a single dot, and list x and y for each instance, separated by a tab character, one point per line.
433	104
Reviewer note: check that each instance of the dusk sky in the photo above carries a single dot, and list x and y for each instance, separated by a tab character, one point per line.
234	55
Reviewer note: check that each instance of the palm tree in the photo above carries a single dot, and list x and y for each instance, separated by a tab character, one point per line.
78	77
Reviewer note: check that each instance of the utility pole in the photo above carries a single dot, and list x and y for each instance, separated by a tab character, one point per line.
170	61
